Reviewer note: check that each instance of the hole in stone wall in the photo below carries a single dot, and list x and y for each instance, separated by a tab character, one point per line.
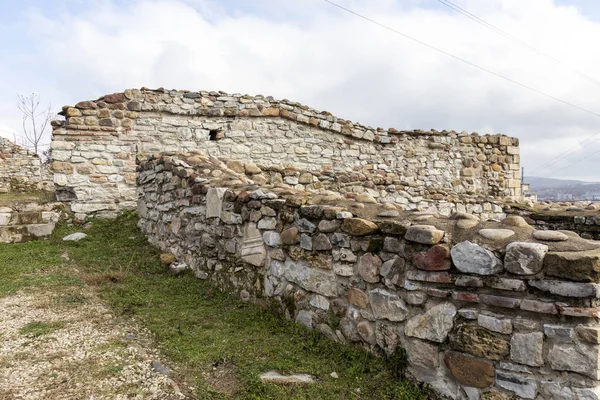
214	134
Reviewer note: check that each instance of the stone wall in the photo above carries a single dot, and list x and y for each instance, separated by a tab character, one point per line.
95	148
21	170
484	309
585	223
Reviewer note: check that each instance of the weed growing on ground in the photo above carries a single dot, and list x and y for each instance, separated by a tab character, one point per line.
38	328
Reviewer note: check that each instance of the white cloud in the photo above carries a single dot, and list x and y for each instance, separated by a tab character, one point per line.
309	51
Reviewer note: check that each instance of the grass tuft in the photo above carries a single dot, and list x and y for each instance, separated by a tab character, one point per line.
38	328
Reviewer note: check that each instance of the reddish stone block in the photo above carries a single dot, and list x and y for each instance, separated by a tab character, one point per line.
436	258
466	296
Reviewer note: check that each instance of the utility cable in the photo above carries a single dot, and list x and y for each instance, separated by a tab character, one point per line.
465	61
507	35
522	85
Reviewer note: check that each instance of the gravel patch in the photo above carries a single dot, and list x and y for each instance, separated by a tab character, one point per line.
89	354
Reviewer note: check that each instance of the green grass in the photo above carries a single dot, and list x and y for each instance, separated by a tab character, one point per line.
197	327
38	328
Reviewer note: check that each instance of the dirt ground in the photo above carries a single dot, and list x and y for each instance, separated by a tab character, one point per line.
69	346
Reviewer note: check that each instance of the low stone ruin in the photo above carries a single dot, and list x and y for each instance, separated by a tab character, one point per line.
21	170
24	185
484	309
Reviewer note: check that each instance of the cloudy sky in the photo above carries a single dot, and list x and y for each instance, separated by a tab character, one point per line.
312	52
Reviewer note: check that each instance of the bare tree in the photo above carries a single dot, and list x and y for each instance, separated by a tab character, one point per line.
36	119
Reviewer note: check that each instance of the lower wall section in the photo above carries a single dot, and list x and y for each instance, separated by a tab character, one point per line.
484	309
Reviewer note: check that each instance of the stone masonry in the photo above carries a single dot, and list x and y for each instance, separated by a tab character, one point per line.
21	170
484	309
95	148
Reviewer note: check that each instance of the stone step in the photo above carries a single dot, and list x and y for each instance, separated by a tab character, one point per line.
15	218
25	233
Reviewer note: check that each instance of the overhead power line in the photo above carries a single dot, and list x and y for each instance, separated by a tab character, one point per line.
567	153
507	35
522	85
465	61
563	168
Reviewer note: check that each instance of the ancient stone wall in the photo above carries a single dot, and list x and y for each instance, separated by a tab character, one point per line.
95	148
21	170
585	223
484	309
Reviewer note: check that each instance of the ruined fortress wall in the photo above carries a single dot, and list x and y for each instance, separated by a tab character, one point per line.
20	169
95	147
483	309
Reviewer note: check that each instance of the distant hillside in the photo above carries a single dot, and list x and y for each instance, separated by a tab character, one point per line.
563	189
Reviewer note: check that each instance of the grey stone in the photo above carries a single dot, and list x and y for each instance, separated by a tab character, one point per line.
268	223
368	267
527	348
327	332
473	259
495	324
305	318
340	239
587	393
466	223
392	244
468	313
424	234
214	202
343	269
319	281
525	258
523	387
305	225
559	333
158	367
472	393
496	234
321	242
433	325
422	353
328	226
344	255
366	330
253	249
75	236
568	289
555	391
414	298
579	358
318	301
286	380
349	330
590	334
306	242
389	214
387	305
550	236
272	239
516	285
